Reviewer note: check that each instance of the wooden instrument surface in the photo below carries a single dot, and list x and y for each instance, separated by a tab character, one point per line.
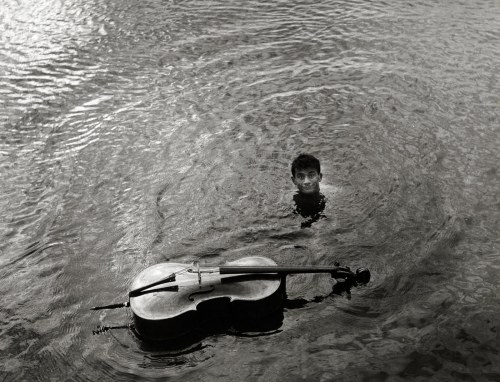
161	305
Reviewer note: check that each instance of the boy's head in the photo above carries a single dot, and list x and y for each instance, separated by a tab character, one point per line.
306	174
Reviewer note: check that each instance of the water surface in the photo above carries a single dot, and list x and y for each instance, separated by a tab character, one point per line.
134	133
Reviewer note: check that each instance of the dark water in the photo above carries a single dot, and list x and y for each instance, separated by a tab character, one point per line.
133	132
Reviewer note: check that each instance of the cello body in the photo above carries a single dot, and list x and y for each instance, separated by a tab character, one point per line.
206	300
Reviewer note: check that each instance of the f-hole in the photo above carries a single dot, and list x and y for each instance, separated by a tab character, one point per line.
204	291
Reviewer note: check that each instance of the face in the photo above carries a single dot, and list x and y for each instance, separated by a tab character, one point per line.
307	180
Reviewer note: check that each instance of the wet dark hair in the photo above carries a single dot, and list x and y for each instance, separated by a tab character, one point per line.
305	161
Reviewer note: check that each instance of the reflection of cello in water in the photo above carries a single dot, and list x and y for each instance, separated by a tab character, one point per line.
172	300
310	207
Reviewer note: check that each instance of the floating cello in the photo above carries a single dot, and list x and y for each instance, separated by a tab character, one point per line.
172	300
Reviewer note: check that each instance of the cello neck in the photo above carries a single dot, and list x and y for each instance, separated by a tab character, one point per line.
281	270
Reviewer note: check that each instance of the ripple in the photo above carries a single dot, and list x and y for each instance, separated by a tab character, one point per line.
137	132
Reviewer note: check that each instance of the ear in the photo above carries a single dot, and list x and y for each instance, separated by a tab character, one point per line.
293	180
320	177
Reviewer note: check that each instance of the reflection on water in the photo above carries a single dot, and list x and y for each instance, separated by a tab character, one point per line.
139	132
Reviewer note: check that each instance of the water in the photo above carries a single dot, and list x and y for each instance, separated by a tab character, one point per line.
139	132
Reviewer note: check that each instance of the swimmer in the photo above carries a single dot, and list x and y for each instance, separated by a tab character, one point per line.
306	176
